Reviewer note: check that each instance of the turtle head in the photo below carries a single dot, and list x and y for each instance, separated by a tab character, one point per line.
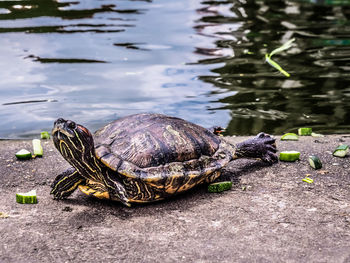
72	140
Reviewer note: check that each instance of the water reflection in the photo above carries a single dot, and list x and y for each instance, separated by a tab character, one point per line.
94	61
317	93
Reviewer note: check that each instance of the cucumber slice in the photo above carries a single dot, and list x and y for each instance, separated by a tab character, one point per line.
308	180
3	215
313	134
38	150
45	135
315	162
290	137
305	131
27	198
341	150
219	187
289	156
23	154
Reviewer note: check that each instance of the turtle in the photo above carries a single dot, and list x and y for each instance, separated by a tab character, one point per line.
146	157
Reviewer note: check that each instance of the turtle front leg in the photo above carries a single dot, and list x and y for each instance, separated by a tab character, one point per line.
115	188
263	147
66	183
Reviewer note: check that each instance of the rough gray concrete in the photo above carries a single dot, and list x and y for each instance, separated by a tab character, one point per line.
270	215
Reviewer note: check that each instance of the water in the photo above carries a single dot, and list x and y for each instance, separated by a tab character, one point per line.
95	61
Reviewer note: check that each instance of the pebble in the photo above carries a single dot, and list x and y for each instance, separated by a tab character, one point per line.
67	209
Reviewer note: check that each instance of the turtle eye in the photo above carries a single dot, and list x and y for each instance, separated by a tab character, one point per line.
71	125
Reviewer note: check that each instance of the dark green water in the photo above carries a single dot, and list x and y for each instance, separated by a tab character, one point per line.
95	61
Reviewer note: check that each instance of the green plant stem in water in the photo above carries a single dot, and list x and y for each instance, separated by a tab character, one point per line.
274	64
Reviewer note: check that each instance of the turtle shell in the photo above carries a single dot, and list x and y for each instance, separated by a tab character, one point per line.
157	148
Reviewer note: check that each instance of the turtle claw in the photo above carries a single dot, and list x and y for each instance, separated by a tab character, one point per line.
270	158
263	147
270	147
59	195
268	139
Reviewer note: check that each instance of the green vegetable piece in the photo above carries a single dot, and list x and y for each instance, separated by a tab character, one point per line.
313	134
308	180
23	154
38	150
27	198
315	162
3	215
219	187
289	156
305	131
341	150
290	137
45	135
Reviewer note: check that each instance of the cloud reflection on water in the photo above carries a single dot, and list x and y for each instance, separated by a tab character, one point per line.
154	78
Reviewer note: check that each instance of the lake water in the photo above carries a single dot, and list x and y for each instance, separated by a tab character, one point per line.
94	61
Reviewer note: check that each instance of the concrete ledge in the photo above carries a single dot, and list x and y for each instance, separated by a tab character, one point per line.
270	215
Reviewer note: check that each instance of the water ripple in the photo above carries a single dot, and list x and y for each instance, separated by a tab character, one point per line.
203	61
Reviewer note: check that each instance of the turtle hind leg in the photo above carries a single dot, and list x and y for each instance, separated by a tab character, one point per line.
66	183
263	147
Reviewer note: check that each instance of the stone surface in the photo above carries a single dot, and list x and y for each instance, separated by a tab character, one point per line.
269	215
